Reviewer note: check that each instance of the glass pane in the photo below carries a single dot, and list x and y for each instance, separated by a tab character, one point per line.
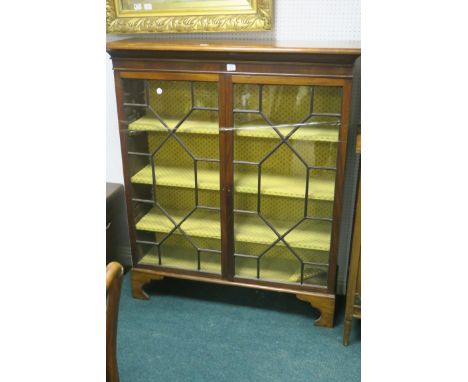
173	159
187	7
285	154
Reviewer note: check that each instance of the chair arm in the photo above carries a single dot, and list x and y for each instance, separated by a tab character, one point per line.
113	271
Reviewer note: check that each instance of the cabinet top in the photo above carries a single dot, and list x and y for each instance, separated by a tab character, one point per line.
351	48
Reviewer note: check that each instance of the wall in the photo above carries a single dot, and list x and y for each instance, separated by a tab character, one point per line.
294	20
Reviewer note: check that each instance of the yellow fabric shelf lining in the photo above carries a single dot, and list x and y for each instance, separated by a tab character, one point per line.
190	126
247	228
271	269
320	188
278	270
181	258
199	126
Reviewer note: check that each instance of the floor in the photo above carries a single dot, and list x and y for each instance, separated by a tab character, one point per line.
190	331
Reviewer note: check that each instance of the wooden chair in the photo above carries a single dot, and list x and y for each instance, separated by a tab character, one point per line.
114	273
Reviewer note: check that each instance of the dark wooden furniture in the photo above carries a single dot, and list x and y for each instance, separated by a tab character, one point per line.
114	273
233	157
117	243
353	292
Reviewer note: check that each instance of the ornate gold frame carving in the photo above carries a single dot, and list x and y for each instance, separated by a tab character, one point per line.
259	19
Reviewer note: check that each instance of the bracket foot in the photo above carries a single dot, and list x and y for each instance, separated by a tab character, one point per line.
326	306
139	279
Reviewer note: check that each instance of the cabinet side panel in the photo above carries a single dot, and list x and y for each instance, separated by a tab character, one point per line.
339	183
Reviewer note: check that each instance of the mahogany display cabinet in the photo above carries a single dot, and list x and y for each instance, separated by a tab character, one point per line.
234	157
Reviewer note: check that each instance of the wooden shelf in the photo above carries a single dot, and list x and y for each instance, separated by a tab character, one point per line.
194	125
320	187
177	257
314	235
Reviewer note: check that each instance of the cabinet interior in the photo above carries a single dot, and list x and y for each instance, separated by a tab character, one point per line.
285	158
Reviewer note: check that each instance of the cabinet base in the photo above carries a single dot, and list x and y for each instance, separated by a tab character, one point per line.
325	303
326	306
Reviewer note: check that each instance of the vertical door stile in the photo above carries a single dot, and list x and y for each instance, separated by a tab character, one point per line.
226	154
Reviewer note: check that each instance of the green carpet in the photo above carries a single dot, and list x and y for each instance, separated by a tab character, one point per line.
191	331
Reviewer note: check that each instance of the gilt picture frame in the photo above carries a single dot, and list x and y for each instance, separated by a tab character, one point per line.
188	16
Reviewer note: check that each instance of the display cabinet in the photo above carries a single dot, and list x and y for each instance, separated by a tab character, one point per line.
233	157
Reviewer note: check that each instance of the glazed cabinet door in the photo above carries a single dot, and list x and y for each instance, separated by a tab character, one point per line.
170	134
286	145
